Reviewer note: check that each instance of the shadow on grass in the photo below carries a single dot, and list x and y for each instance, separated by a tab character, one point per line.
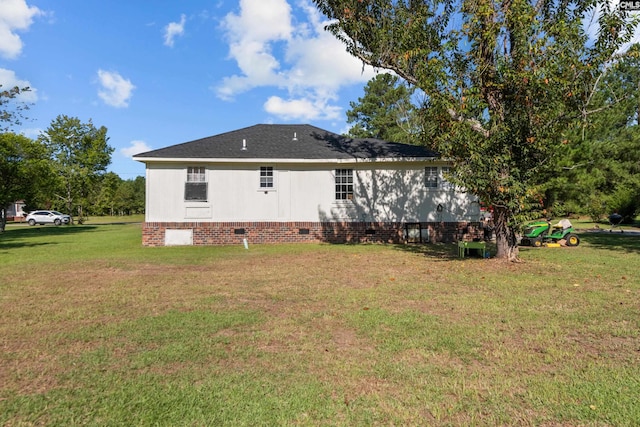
22	237
613	241
440	251
604	240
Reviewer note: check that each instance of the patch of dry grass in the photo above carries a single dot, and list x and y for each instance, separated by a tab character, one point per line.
316	334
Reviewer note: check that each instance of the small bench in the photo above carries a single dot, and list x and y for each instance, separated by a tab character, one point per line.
465	247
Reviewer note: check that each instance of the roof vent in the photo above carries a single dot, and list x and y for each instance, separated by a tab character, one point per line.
295	136
244	145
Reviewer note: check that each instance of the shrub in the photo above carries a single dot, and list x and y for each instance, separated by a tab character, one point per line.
596	208
625	202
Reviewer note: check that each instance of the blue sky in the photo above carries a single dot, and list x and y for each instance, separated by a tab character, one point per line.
162	72
165	72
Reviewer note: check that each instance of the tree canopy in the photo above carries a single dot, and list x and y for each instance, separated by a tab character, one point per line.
386	111
81	155
599	172
25	171
504	82
19	157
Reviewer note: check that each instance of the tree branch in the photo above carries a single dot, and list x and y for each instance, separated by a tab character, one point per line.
475	125
579	165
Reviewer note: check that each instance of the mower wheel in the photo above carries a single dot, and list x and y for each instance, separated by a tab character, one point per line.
572	240
537	243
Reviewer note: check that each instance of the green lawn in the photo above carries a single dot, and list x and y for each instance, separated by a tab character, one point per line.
97	330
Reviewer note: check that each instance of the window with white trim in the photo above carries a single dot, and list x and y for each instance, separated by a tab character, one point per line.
266	177
344	184
431	177
195	189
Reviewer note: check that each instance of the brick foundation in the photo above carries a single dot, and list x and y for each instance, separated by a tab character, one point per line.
233	233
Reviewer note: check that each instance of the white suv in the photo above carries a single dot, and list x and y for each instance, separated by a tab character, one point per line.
47	217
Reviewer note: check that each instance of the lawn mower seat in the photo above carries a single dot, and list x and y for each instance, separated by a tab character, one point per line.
563	223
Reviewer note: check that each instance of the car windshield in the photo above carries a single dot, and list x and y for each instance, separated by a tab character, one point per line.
56	213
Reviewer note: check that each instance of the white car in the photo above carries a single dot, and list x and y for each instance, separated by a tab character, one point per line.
48	217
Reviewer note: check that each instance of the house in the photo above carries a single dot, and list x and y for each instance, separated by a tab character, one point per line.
300	183
15	211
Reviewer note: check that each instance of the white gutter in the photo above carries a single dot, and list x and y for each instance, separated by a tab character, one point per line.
280	160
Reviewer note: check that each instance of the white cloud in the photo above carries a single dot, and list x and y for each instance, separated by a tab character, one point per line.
15	15
251	35
8	80
174	29
301	109
32	133
274	48
116	90
136	147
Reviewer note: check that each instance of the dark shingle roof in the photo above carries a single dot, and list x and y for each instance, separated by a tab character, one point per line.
278	142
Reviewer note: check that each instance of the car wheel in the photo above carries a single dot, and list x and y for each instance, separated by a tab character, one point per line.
32	222
572	240
57	221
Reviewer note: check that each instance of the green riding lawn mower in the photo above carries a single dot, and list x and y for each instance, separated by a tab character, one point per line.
541	233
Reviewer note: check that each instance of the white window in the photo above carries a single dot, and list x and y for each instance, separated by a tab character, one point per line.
344	184
266	177
195	189
431	177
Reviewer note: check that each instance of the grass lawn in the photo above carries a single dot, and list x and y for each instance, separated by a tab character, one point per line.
97	330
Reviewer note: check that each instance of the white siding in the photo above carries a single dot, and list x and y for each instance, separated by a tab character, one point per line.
383	192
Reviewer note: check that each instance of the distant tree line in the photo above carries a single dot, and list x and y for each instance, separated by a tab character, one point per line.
64	168
116	197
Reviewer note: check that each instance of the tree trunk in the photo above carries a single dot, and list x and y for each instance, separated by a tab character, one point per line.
3	219
69	200
506	239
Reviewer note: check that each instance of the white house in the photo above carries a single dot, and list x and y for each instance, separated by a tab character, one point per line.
15	211
299	183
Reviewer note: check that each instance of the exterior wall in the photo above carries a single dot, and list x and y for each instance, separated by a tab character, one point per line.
301	207
15	212
234	233
383	192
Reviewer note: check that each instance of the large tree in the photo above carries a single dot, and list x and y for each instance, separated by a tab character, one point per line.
385	111
105	202
503	81
81	154
21	167
599	171
25	172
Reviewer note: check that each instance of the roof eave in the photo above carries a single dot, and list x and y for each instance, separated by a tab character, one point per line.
283	160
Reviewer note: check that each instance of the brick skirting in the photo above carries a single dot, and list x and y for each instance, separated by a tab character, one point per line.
233	233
